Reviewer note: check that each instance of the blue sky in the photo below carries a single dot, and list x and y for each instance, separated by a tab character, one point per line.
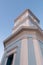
10	9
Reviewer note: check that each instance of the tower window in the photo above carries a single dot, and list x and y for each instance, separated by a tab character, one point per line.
10	59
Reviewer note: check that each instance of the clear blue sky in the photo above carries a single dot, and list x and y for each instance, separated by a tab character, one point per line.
10	9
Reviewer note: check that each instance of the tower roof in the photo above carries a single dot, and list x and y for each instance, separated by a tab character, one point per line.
29	13
27	18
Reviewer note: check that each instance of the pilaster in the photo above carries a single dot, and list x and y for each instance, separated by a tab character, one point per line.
24	53
37	51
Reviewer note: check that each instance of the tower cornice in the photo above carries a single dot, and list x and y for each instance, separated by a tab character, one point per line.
23	28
